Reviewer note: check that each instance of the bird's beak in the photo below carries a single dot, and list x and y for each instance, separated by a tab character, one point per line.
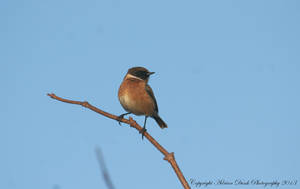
150	73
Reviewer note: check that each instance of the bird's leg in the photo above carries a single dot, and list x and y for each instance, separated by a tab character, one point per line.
122	116
144	128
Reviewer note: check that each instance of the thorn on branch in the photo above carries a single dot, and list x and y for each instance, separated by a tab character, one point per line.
85	104
169	157
132	123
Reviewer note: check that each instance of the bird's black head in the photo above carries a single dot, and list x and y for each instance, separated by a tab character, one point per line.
140	72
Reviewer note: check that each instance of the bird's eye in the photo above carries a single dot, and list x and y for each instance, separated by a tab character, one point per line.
142	74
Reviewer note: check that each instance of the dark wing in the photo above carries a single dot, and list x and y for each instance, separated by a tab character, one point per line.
150	93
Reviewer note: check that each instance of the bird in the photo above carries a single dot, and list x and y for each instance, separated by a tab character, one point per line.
137	97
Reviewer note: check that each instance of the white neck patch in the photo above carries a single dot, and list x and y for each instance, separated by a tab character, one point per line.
132	76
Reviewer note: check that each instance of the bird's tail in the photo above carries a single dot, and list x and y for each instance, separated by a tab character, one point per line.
160	122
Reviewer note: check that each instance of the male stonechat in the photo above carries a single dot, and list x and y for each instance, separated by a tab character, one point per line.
136	96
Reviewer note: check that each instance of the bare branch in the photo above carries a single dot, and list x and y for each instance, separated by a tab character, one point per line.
168	156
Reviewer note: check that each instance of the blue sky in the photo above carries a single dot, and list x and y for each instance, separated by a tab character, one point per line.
227	84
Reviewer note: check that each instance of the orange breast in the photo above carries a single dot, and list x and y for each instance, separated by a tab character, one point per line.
134	98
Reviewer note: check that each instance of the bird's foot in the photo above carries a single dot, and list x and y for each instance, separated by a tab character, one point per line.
143	132
120	117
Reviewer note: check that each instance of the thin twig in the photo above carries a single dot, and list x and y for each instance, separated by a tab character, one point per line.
168	156
103	169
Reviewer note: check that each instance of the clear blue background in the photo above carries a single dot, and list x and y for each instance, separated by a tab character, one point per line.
227	83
